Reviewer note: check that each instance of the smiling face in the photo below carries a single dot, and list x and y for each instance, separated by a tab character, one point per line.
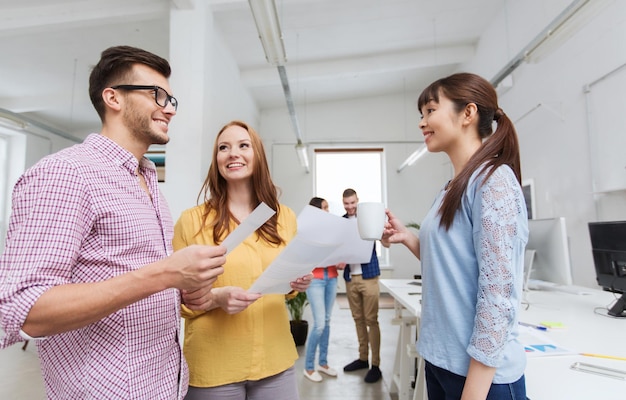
235	155
440	124
350	203
145	119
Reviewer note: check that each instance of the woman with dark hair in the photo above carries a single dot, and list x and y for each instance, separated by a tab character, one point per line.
240	346
471	245
321	295
319	203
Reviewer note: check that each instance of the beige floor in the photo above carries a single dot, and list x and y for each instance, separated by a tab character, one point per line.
20	377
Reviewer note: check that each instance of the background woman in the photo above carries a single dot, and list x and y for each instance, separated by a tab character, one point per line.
321	295
471	245
241	346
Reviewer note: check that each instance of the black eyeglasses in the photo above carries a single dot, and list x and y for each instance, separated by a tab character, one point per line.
161	97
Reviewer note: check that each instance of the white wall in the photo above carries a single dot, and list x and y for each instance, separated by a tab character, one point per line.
371	122
206	79
555	146
206	76
556	142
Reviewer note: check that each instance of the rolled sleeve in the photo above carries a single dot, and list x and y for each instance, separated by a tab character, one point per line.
14	312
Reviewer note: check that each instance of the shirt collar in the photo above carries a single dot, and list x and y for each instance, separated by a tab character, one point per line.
113	152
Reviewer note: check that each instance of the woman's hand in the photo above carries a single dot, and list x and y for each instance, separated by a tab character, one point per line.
396	232
233	299
301	284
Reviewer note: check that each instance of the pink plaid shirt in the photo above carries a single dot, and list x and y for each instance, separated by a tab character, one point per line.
80	215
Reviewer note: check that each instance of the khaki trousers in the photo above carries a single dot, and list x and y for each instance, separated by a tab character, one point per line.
363	297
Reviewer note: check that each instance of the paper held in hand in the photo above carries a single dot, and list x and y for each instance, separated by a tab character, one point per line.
322	239
247	227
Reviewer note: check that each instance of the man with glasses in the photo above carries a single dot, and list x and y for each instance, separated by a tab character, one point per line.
88	270
161	97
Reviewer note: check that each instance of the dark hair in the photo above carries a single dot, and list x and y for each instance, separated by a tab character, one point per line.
316	202
501	147
263	190
115	67
349	193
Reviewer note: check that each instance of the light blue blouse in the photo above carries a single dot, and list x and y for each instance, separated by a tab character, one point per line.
472	279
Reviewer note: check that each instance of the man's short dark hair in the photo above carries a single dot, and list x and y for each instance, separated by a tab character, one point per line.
115	67
349	193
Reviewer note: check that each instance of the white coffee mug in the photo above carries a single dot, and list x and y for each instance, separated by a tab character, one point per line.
370	218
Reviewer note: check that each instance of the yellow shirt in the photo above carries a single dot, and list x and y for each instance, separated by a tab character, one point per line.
254	344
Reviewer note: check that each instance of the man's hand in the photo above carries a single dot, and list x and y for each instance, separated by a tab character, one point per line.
194	268
63	308
199	300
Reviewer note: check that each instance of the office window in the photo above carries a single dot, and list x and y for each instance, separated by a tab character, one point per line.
12	159
4	190
360	169
339	169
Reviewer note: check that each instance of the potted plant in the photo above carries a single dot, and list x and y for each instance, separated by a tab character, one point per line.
413	225
299	327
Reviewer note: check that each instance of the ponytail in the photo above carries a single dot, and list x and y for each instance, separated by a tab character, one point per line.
499	148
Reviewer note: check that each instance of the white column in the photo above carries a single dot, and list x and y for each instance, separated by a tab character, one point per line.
188	154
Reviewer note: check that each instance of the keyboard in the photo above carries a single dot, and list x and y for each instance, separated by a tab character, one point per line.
537	284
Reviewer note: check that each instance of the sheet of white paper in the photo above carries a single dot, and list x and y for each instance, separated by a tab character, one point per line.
318	225
253	222
540	344
323	239
297	259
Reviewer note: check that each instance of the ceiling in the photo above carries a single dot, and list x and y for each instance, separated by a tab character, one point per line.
336	49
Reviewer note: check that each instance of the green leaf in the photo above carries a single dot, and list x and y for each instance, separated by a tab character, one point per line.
296	306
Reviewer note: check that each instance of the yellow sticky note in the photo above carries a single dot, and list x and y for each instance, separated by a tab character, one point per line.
552	324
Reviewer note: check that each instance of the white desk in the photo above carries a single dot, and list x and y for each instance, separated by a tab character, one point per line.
547	378
550	378
407	311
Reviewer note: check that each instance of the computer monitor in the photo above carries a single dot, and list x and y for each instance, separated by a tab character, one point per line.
608	245
551	263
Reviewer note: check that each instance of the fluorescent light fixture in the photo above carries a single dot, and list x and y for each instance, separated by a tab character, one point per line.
564	26
505	85
11	121
412	159
539	105
268	26
303	155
